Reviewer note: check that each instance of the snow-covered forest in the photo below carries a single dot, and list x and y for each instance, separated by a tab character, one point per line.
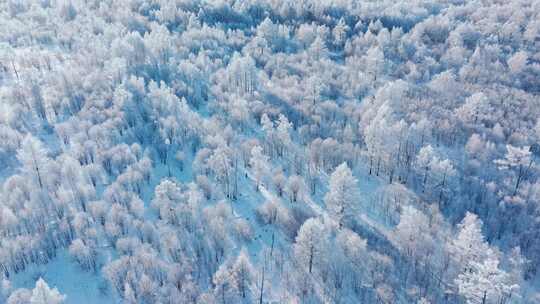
270	151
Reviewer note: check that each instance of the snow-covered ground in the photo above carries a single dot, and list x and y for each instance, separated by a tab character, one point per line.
64	274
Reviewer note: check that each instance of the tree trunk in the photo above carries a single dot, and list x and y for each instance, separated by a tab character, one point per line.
311	260
262	285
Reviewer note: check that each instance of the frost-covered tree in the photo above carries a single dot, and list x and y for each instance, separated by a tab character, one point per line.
295	188
242	74
33	158
222	281
221	163
259	163
318	49
83	254
20	296
342	197
485	282
413	233
168	196
279	181
243	273
283	135
355	251
434	170
519	160
43	294
315	87
518	61
375	63
475	108
469	245
311	244
340	32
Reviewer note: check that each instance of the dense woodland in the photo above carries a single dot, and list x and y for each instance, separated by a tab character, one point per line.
268	151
